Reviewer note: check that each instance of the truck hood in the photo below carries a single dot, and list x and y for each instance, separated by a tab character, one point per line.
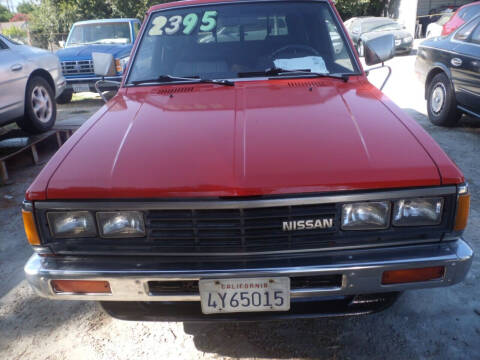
257	138
84	52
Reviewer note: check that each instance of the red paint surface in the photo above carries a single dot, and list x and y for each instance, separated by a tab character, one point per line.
257	138
263	137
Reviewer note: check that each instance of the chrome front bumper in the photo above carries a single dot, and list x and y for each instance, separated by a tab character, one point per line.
361	272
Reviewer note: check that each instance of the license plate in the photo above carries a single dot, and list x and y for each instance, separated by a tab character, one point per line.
81	88
244	295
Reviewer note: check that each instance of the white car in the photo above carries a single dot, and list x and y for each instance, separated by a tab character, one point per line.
434	29
30	80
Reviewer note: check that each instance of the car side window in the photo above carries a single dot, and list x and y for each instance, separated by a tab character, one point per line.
476	35
3	46
464	33
470	12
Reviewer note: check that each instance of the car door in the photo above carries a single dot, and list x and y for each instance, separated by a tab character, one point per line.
12	83
465	66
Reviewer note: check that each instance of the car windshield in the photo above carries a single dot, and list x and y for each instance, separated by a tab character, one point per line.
237	40
380	26
100	33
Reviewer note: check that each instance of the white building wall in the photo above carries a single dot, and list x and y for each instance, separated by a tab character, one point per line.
407	14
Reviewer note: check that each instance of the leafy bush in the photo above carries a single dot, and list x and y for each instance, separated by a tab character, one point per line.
5	14
15	33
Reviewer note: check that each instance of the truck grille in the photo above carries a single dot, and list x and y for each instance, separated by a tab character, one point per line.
238	230
208	231
84	67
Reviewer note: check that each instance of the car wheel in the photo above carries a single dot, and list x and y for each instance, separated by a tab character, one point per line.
40	107
441	102
361	48
65	97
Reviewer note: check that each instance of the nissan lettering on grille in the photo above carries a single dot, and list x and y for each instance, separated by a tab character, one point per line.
309	224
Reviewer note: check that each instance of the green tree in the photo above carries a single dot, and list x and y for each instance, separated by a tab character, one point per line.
26	7
352	8
5	14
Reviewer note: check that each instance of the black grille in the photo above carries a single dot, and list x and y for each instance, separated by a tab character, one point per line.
238	229
83	67
256	232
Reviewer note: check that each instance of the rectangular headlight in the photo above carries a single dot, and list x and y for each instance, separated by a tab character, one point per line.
121	224
366	216
417	212
72	224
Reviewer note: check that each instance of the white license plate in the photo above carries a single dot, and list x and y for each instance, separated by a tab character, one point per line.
81	88
244	295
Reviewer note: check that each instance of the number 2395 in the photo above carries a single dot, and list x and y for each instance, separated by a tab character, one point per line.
162	25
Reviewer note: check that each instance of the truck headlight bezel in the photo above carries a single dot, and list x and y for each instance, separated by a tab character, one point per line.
121	224
426	211
76	224
373	215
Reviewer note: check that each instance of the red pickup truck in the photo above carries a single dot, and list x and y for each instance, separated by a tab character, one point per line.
246	170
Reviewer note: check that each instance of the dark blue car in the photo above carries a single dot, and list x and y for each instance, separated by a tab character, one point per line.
113	36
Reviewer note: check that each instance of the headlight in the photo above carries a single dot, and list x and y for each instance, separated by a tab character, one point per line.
72	224
121	64
414	212
398	42
121	224
366	216
408	39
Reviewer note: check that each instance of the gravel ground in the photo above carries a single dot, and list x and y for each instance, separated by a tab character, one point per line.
426	324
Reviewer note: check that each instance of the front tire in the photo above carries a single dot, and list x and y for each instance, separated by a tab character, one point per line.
441	102
65	97
40	107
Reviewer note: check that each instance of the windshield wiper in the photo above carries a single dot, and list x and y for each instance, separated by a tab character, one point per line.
279	72
178	79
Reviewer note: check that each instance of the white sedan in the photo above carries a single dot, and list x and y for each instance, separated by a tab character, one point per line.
30	80
434	29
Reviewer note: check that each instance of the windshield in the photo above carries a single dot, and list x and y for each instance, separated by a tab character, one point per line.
223	41
100	33
380	26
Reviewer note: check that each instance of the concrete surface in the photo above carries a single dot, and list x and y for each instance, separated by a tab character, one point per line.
427	324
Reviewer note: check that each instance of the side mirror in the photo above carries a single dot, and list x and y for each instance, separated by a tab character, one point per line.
61	43
103	64
379	49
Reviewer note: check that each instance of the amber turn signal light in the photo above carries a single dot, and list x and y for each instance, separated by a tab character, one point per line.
30	228
463	207
81	286
412	275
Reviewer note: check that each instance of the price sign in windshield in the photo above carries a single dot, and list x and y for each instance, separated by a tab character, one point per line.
172	25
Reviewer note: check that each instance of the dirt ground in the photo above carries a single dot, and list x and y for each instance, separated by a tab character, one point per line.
428	324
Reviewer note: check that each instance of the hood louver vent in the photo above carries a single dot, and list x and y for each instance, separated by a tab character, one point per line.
175	90
297	84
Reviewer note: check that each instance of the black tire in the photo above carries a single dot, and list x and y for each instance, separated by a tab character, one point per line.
65	97
42	118
441	103
361	48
